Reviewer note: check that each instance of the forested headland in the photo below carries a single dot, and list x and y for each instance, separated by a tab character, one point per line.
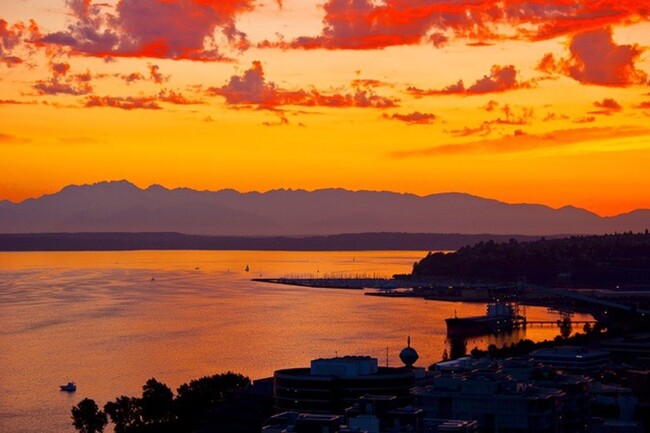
579	261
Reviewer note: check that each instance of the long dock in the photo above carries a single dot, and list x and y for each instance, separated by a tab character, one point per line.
555	322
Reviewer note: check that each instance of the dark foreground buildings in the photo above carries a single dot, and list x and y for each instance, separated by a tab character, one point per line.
560	391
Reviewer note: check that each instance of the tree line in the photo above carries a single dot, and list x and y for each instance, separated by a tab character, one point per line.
158	410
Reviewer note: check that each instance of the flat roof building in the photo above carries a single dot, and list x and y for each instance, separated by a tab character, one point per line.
332	385
572	359
495	401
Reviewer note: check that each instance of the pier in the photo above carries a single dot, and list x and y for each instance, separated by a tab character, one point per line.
557	322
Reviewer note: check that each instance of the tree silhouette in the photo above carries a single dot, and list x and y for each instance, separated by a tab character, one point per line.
125	413
204	394
87	418
565	327
156	403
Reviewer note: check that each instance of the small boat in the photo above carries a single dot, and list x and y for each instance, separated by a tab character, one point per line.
70	387
247	268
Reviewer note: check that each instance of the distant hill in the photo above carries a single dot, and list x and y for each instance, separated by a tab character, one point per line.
120	206
178	241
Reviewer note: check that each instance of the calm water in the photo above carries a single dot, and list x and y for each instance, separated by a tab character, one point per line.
98	318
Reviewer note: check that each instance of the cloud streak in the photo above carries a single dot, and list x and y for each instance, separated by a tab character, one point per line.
414	118
501	79
521	142
140	102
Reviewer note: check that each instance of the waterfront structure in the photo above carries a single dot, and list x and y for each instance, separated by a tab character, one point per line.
303	423
508	395
331	385
632	348
408	355
500	317
576	409
572	359
497	402
451	426
381	413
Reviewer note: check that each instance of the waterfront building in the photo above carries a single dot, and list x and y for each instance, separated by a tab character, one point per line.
450	426
381	413
504	387
331	385
576	408
497	402
295	422
633	348
580	360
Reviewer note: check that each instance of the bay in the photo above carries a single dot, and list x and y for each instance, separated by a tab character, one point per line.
112	320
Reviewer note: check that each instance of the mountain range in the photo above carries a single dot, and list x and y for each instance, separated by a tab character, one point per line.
120	206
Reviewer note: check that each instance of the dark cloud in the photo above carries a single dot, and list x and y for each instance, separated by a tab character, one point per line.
368	24
173	29
501	79
252	88
414	118
596	59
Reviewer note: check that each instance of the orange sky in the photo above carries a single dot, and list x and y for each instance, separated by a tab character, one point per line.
522	101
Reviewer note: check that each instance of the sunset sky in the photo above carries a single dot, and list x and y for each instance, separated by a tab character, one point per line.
544	101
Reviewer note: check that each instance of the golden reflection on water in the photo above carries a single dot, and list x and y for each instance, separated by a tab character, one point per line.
112	320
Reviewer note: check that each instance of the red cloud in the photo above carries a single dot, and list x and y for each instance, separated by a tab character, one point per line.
554	116
129	103
596	59
251	88
176	98
12	102
607	106
415	118
368	24
501	79
482	130
12	38
175	29
141	102
61	82
154	75
9	38
491	105
513	116
132	77
282	120
586	119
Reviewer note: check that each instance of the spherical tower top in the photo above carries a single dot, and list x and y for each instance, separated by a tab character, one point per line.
408	355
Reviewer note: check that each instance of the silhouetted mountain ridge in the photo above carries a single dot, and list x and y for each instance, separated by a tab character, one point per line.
120	206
